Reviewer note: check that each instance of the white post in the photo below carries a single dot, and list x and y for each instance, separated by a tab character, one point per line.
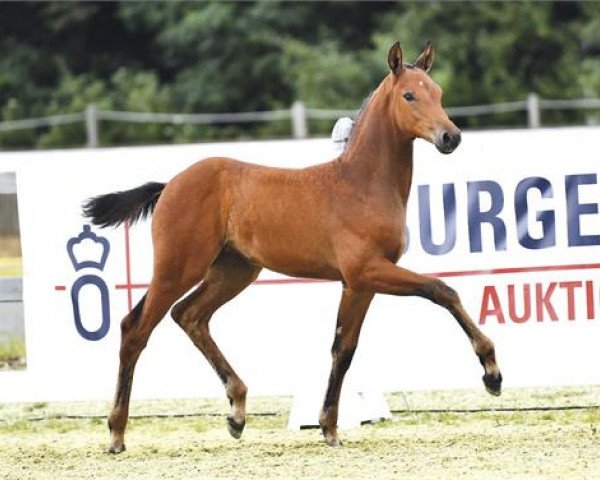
533	111
91	125
299	123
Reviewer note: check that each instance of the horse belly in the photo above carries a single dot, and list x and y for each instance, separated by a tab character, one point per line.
278	219
298	251
301	266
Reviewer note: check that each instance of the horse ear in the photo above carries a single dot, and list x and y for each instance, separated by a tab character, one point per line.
395	57
425	60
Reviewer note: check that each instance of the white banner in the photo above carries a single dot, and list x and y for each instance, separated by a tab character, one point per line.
510	220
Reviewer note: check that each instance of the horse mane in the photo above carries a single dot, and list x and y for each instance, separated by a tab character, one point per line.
360	116
358	119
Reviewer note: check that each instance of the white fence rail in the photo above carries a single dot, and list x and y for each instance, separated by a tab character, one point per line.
299	115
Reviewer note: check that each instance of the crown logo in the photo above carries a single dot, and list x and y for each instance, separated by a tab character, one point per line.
88	250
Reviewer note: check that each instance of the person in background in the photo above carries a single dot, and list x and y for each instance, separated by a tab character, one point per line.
341	133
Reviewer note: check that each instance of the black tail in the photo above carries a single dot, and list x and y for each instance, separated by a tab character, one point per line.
132	205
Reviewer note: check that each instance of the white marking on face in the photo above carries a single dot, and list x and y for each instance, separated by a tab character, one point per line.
421	83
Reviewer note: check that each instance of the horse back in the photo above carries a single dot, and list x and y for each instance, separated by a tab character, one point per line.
275	217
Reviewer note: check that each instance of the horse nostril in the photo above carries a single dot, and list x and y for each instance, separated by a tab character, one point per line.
446	142
457	138
451	140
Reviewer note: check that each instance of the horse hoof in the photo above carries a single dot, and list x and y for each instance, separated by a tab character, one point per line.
493	384
334	442
115	449
235	428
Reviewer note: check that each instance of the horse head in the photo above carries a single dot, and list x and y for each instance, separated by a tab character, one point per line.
417	101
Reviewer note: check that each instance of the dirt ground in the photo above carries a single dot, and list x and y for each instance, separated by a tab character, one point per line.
38	442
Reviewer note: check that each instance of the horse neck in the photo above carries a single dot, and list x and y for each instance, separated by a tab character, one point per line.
379	157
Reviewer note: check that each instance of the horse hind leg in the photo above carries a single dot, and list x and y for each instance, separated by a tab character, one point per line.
136	328
169	282
226	278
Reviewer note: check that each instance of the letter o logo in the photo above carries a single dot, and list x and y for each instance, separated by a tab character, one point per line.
101	332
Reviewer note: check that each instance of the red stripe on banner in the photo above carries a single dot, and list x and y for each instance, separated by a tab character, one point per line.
266	281
460	273
280	281
290	281
503	271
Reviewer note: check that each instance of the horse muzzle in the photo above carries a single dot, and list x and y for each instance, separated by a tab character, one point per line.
446	142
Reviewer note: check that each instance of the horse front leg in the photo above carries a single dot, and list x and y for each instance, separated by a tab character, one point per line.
383	276
351	313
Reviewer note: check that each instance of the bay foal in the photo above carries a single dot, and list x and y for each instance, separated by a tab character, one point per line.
219	222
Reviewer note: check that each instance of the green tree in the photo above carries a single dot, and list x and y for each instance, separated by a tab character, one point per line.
225	57
498	52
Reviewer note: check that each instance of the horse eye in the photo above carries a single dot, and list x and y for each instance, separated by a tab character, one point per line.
409	96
